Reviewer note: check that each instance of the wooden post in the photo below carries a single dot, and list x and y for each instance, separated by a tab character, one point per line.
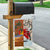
10	34
10	18
10	26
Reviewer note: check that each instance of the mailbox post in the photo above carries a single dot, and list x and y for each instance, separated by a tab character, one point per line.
16	10
10	26
10	18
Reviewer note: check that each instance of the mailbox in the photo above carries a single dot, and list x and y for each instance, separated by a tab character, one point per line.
20	8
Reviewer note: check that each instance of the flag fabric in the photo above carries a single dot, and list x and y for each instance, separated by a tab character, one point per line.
23	31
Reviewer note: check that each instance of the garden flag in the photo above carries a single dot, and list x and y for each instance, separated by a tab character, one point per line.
23	31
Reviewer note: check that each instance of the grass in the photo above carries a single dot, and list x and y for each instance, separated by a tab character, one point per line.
4	1
45	4
20	0
24	49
